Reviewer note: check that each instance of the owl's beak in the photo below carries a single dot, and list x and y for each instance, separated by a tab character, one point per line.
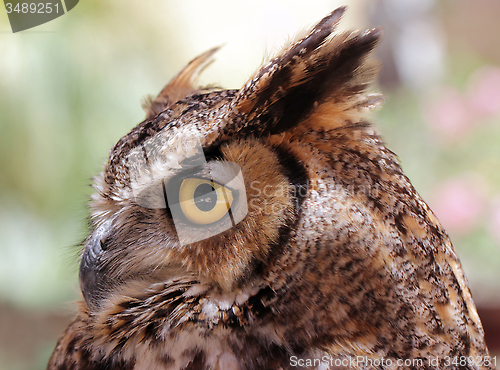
92	278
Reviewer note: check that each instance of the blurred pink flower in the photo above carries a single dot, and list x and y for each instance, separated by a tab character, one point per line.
458	204
484	91
495	220
449	114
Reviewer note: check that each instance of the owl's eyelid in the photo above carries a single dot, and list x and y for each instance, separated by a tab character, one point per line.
211	180
213	171
208	179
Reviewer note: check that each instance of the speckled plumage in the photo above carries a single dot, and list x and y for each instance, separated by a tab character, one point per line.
338	256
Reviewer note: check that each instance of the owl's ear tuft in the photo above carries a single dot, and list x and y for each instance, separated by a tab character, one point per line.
320	68
181	86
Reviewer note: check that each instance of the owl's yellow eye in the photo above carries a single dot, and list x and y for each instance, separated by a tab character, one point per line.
203	201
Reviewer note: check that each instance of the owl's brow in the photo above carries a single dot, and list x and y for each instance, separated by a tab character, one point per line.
192	166
213	153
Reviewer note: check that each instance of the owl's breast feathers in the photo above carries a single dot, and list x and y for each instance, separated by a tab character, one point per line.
337	258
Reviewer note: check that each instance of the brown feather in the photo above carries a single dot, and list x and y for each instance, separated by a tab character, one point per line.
181	86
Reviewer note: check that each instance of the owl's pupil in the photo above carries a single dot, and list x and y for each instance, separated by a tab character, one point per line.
205	197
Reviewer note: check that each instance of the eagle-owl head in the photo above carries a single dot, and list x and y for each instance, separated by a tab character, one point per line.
247	229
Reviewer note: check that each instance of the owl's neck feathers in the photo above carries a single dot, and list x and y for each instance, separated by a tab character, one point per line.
166	319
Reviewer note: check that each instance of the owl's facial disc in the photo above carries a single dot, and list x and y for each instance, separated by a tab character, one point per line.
255	192
219	219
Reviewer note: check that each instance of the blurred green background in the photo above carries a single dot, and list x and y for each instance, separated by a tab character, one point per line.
69	89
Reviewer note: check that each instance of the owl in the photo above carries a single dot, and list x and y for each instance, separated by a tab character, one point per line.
268	228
